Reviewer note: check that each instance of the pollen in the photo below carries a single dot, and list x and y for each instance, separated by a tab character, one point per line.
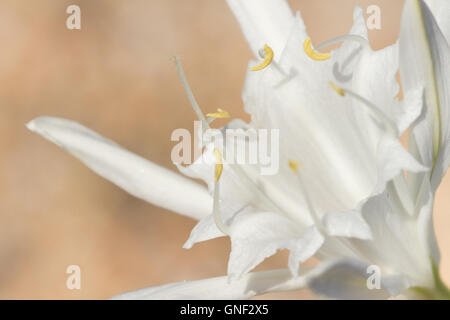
220	114
268	57
339	91
219	164
294	165
312	54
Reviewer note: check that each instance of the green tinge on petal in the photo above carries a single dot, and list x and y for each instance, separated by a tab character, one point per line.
440	290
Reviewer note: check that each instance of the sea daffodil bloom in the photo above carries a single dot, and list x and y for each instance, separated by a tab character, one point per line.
341	193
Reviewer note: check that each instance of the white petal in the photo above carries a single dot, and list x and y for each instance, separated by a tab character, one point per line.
374	78
346	224
258	235
264	22
347	279
204	230
397	243
409	110
219	288
425	223
441	9
425	60
134	174
393	158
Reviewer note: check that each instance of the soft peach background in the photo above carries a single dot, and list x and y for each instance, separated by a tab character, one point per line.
116	76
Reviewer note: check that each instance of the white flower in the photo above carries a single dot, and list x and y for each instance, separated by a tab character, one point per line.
349	202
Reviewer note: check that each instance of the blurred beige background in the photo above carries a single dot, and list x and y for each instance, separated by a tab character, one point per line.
116	76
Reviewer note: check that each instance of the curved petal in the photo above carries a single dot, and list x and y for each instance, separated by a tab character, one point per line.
220	288
136	175
264	22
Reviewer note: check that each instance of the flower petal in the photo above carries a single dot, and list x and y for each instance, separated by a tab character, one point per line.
392	159
136	175
425	223
264	22
425	60
409	110
349	224
256	236
219	288
440	9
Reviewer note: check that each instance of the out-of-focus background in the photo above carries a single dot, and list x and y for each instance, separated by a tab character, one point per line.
116	76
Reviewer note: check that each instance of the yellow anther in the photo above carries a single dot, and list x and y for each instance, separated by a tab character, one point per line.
220	114
339	91
294	165
267	59
312	54
219	164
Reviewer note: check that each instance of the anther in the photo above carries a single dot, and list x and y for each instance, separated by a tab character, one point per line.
339	91
219	164
268	57
313	54
220	114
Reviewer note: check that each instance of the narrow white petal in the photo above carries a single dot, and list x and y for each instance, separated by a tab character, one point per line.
134	174
264	22
219	288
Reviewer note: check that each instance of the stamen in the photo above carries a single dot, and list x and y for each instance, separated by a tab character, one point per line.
216	210
294	165
188	91
351	37
312	54
337	89
379	114
219	164
220	114
268	57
